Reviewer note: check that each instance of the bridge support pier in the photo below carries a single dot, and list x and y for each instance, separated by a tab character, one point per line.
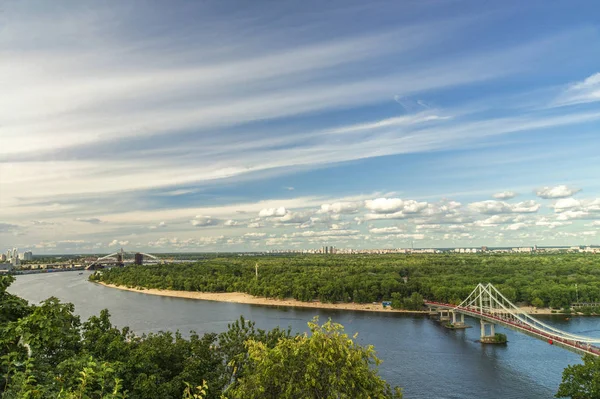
491	337
444	315
458	323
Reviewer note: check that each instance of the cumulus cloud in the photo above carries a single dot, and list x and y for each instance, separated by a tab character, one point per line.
292	217
551	224
89	220
494	220
341	207
326	233
515	226
269	212
394	205
187	243
202	221
571	208
161	225
491	207
231	223
254	236
561	191
114	243
570	214
504	195
566	203
339	226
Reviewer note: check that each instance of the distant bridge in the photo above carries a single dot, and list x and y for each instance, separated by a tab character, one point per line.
492	308
118	258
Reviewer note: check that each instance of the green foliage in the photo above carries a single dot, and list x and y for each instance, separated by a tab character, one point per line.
327	364
448	278
500	338
537	302
581	381
45	352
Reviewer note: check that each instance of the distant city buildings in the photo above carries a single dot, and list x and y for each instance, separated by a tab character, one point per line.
13	258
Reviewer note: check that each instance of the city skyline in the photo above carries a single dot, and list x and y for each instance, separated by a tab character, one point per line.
298	125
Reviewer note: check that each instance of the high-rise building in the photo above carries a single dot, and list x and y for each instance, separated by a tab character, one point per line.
3	258
139	259
27	255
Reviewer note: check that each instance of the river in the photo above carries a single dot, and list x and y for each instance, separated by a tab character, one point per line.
418	354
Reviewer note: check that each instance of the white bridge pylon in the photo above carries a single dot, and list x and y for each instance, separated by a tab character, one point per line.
488	304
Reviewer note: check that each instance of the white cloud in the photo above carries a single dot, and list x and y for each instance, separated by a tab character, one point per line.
202	221
504	195
114	243
254	236
292	217
341	207
268	212
516	226
494	220
491	207
566	203
394	206
231	223
585	91
386	230
569	215
561	191
326	233
339	226
551	224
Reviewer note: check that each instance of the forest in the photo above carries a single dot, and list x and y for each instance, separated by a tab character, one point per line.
554	281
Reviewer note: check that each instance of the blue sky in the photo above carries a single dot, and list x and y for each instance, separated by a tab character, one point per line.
231	125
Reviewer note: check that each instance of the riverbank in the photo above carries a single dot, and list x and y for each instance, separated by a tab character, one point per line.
239	297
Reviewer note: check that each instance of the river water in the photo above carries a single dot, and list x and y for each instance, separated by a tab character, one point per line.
418	354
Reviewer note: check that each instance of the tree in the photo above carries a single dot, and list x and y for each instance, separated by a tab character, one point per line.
327	364
538	303
581	381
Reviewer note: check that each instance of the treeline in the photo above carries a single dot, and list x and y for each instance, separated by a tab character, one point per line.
47	352
543	280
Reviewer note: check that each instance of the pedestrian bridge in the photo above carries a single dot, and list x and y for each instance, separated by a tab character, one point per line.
492	308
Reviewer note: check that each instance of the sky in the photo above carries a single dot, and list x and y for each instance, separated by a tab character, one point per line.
248	126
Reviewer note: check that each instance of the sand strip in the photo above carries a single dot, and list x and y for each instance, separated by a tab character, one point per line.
239	297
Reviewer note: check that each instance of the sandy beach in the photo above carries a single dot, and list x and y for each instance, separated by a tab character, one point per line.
239	297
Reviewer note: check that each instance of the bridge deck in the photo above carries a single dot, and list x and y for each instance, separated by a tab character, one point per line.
571	345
